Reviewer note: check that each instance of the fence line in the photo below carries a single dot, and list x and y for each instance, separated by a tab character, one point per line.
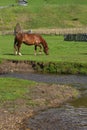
58	31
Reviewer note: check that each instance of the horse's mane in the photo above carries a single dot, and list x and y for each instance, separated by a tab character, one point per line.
44	43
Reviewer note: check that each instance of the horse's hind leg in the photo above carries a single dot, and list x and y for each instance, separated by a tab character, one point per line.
15	47
35	50
16	50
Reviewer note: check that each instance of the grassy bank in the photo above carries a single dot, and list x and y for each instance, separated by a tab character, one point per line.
44	14
12	89
64	56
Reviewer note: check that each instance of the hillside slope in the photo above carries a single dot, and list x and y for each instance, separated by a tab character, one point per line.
44	14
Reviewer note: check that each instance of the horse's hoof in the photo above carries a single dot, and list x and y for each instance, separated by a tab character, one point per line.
20	54
15	53
35	54
40	53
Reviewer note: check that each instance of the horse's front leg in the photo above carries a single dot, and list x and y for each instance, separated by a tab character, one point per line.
35	50
15	47
40	51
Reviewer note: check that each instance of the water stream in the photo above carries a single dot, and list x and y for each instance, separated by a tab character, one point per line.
71	116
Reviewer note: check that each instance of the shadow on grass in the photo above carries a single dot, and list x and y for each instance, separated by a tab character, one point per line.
8	54
11	54
83	53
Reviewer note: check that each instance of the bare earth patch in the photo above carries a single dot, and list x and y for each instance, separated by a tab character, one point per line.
15	66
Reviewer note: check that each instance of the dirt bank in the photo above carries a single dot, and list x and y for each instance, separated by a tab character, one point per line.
49	67
7	66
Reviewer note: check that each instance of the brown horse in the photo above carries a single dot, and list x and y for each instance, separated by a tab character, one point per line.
29	39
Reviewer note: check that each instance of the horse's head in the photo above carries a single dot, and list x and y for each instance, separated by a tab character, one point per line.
46	50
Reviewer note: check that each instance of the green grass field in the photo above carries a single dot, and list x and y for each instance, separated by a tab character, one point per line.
59	50
7	2
44	14
37	2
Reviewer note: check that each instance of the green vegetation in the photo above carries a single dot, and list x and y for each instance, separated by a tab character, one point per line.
44	14
12	89
39	2
7	2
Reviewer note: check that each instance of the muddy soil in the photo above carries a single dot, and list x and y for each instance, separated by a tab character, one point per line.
16	66
40	97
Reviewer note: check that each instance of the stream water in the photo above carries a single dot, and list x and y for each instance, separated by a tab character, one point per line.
71	116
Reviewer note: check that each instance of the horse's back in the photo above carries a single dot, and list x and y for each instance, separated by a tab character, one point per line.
33	38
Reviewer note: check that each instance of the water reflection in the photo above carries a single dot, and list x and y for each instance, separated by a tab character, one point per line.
61	79
59	119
